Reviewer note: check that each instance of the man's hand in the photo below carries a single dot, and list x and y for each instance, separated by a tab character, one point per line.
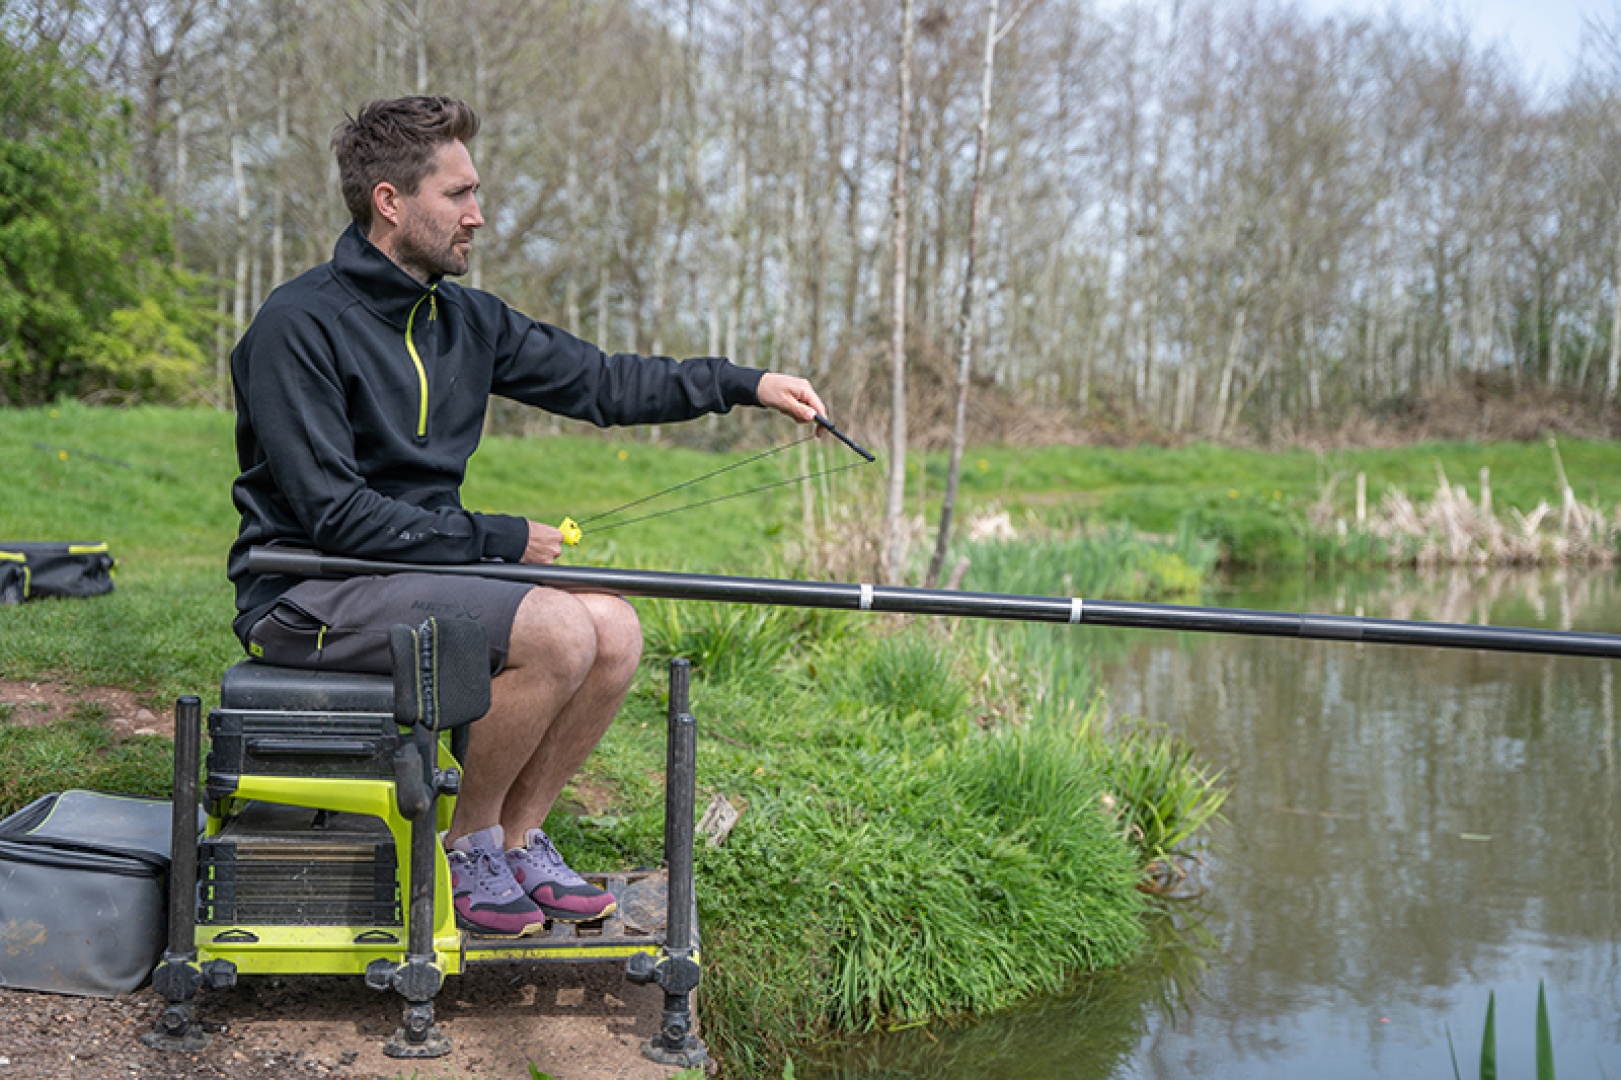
545	545
791	396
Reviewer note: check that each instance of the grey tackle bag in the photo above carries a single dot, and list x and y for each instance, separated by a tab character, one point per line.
83	893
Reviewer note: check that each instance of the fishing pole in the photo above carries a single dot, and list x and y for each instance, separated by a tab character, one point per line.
574	531
904	600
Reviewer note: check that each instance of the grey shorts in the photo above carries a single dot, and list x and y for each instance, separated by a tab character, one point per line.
343	625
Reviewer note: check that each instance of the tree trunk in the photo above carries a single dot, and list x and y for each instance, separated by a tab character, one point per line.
278	243
239	181
1612	370
895	506
965	321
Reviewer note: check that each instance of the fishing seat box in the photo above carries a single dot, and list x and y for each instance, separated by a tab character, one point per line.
83	893
276	864
55	569
276	721
273	864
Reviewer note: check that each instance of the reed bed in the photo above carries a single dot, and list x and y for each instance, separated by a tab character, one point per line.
1456	528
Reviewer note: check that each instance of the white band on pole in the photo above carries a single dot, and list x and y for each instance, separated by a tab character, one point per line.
1076	606
866	597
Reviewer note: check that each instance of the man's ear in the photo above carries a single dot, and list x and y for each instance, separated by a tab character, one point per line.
385	202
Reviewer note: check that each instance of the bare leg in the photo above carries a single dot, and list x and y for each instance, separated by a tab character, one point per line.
551	654
571	737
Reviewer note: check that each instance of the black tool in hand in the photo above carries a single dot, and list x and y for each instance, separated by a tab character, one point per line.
842	437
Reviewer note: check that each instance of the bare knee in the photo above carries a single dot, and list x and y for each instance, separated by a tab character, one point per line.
553	632
618	631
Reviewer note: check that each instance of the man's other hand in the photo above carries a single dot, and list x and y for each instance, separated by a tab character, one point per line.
791	396
545	544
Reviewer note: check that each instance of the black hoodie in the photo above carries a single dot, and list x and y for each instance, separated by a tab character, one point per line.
360	396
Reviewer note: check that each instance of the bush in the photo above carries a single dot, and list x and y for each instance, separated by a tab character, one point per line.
1254	528
89	298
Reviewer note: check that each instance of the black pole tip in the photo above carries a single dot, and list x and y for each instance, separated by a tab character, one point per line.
843	438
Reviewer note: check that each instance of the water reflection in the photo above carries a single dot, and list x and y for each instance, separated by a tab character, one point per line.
1409	829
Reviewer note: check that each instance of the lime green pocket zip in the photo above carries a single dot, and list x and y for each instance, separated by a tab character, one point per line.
416	358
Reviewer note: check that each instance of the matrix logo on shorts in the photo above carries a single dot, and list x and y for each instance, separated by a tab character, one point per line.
454	611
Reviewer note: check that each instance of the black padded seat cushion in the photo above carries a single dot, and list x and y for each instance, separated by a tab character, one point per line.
253	686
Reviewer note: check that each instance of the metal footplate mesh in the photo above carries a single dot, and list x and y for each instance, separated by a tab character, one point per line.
636	925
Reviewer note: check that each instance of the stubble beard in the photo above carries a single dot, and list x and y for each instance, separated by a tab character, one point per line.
418	250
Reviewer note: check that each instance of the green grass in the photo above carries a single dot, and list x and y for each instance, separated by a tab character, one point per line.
1254	502
79	752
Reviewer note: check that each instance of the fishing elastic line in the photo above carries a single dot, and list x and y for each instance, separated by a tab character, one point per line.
734	495
689	483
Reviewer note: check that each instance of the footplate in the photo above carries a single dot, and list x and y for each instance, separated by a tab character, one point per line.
636	925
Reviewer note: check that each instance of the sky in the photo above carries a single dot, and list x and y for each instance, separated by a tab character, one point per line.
1544	33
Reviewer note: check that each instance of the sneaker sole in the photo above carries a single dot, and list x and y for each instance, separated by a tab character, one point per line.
559	915
487	931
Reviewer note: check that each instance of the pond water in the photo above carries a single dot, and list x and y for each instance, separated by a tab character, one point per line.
1408	831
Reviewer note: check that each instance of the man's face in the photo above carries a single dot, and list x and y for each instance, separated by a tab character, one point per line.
436	224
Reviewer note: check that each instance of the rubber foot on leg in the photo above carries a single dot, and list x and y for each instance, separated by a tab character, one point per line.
434	1043
691	1056
177	1031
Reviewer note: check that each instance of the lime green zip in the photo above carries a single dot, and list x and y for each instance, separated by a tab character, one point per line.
416	358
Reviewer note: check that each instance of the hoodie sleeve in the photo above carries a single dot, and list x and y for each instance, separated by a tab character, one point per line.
288	375
543	366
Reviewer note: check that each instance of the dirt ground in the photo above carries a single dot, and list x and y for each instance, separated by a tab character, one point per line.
573	1022
35	703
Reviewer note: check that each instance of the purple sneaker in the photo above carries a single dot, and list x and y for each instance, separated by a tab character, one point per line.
487	899
561	893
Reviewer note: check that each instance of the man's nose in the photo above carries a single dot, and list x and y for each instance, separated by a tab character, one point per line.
474	218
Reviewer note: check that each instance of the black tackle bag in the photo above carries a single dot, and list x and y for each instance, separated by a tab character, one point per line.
84	893
31	571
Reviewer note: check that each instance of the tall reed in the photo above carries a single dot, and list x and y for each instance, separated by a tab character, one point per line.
1454	528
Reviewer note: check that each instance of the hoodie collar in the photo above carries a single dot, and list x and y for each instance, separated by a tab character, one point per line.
388	291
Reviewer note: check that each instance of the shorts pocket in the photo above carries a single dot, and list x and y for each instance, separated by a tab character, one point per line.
288	636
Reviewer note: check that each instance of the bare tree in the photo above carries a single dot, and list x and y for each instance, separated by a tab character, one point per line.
965	321
895	506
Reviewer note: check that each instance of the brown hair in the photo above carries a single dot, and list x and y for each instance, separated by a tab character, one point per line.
395	142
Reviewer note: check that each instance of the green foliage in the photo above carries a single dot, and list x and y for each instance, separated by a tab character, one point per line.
886	873
1109	562
89	298
1544	1036
1166	797
723	640
1254	528
1255	502
149	349
897	676
1488	1041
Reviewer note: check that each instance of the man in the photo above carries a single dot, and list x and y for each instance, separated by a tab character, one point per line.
361	389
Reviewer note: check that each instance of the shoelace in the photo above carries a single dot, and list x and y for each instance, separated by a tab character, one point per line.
485	865
553	860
